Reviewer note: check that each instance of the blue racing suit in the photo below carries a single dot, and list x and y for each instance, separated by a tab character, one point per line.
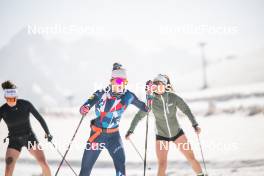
109	109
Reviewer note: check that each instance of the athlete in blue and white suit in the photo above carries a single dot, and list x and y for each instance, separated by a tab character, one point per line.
109	104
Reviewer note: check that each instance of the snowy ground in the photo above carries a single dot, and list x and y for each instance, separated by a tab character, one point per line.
233	145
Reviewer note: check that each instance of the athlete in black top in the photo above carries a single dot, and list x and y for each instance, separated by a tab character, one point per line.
17	118
16	114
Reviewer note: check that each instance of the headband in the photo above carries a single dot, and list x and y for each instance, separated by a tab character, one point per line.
10	93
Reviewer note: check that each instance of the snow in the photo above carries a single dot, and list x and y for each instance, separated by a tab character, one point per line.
231	145
231	141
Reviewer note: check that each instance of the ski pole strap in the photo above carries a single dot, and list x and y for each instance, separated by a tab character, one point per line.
98	131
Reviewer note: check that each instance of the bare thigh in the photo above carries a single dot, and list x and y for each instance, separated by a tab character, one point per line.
162	148
185	147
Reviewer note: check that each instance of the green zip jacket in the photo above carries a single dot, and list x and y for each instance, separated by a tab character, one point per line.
164	108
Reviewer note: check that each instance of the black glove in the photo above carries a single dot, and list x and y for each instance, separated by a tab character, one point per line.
196	127
49	137
128	133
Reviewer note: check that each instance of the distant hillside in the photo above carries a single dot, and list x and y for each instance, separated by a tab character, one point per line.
55	73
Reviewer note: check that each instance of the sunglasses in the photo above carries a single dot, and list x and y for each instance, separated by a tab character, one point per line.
120	81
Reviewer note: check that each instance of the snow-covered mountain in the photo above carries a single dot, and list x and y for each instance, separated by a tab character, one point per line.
56	73
242	70
20	62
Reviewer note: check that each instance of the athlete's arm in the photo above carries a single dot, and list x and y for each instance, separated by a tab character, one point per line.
186	110
92	100
139	115
39	118
139	104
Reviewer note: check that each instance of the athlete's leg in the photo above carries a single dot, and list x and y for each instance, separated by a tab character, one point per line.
11	158
116	150
184	146
162	148
90	155
38	154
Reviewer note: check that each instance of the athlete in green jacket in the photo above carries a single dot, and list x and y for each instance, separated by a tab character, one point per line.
164	107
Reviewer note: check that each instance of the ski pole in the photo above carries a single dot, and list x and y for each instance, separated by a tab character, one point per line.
69	146
202	155
62	157
134	146
146	147
149	103
146	140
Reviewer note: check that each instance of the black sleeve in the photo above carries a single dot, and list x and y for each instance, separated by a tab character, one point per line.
1	114
39	118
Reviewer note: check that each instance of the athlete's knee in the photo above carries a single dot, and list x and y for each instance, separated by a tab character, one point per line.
122	160
9	161
119	155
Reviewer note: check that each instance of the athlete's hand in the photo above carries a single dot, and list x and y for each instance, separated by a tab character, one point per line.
84	110
49	137
149	87
149	91
128	135
197	129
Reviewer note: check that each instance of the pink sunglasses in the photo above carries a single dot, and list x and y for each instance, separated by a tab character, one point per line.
120	81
